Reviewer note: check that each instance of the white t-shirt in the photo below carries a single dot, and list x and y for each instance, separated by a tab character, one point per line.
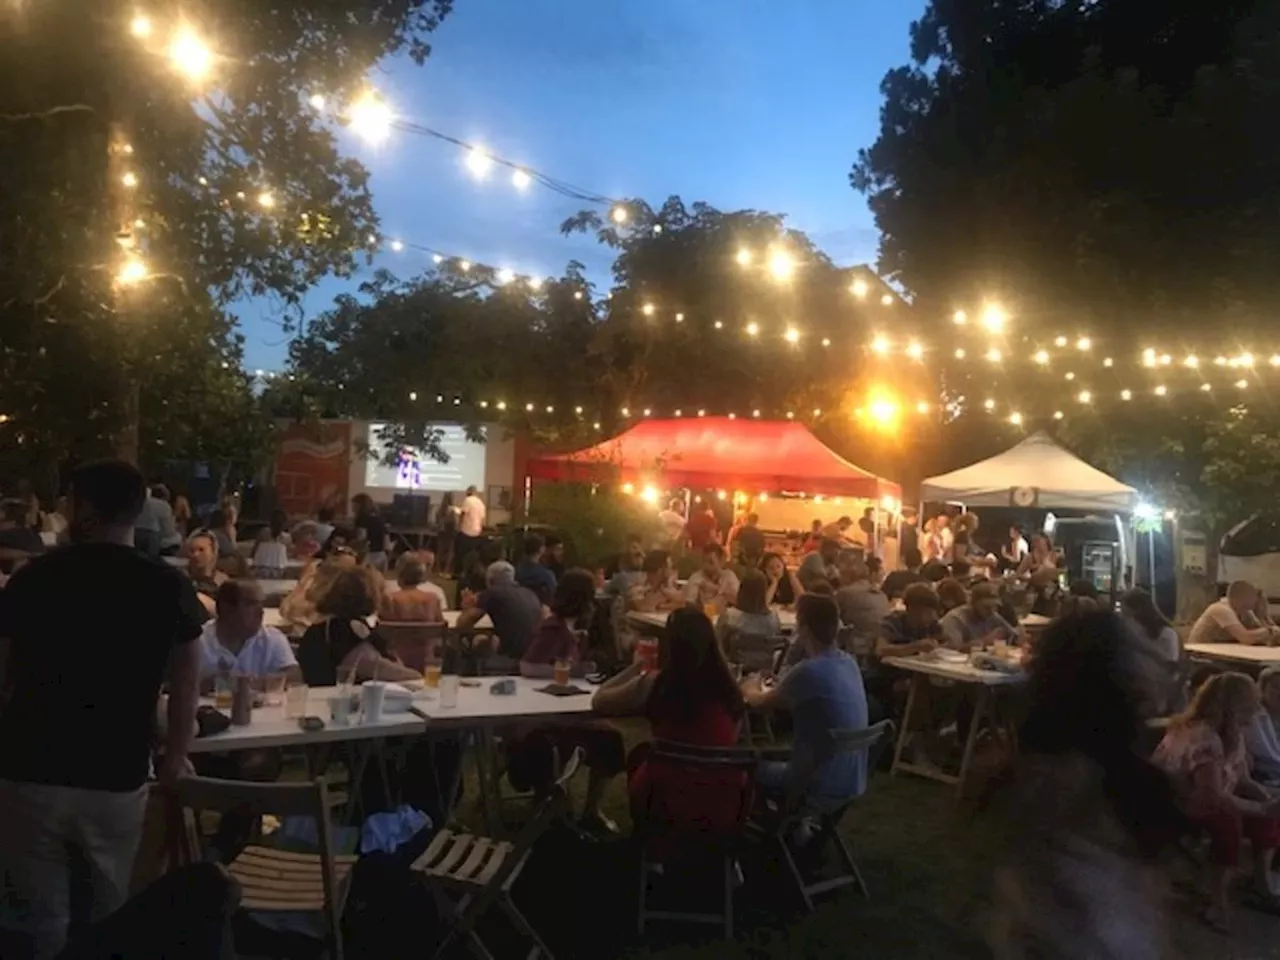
672	523
267	651
1215	624
471	517
947	541
698	589
1017	548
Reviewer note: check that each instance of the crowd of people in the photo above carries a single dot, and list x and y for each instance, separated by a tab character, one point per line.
188	596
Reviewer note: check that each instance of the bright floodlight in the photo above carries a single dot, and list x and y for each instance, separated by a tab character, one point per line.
479	162
781	265
520	180
994	318
189	55
370	118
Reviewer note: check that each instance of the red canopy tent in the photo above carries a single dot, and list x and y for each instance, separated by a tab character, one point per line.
754	456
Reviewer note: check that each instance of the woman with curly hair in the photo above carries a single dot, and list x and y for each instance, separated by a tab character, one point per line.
344	642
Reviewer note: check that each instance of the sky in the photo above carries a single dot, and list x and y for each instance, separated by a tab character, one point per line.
739	103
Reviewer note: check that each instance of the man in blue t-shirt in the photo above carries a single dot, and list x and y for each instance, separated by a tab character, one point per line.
824	692
531	573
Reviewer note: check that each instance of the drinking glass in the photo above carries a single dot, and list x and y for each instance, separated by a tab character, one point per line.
449	690
222	690
431	674
273	689
562	671
295	701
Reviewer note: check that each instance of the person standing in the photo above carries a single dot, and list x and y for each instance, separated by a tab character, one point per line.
446	532
368	521
470	526
74	795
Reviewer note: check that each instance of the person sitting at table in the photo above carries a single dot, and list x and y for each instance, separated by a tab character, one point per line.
425	560
628	571
657	592
553	555
531	572
530	758
305	541
298	608
713	583
783	587
820	565
897	581
1260	736
344	643
409	602
748	630
862	606
977	623
1162	640
222	525
1203	750
1221	621
236	641
690	697
202	567
340	540
514	610
951	594
913	629
824	692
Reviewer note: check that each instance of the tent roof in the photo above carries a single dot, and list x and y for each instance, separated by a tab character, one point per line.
751	455
1035	473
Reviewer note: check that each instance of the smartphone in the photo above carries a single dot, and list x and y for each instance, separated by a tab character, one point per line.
310	724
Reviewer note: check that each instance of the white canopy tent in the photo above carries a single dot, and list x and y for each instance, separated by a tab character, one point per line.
1035	473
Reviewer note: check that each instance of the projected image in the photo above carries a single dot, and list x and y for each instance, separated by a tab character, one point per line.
414	472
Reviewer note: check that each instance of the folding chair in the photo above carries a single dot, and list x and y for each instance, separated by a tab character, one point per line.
797	807
270	879
468	874
662	826
413	642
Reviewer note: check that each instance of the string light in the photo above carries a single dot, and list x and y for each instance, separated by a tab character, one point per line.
826	341
578	411
719	324
648	309
753	328
1041	357
1206	387
988	404
413	394
994	318
1275	360
1016	419
618	214
370	118
792	335
505	276
1059	341
1084	343
781	265
859	288
914	350
1058	414
437	259
267	200
1191	362
1241	384
679	318
994	355
1126	394
140	26
133	271
520	179
922	407
880	344
1219	361
130	179
1070	375
1108	362
960	318
317	101
960	353
1165	359
479	163
886	300
1161	390
1084	396
464	265
744	257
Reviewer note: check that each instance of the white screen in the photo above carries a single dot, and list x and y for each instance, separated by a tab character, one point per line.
464	469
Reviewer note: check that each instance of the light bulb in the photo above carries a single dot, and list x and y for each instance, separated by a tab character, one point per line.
914	350
369	118
317	101
132	271
189	55
618	214
994	318
130	179
880	344
753	328
1084	343
1126	394
648	309
792	335
743	257
960	318
140	26
520	180
505	276
479	162
1041	357
859	288
886	300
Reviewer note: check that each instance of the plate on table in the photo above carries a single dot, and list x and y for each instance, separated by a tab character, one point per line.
942	655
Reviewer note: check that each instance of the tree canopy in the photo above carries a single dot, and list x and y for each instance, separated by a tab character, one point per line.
159	169
1101	169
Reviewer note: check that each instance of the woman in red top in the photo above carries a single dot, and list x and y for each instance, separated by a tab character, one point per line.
691	699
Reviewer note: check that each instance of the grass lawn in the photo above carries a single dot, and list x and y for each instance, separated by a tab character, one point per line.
928	861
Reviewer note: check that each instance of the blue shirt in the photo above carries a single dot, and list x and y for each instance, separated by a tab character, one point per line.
825	693
1264	747
532	575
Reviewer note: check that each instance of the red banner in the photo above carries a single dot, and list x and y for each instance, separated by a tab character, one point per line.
313	467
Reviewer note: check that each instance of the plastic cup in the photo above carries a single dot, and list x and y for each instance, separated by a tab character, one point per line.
295	701
340	709
431	674
449	690
647	653
711	609
273	689
372	696
563	668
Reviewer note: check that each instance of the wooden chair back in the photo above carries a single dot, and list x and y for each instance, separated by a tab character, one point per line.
804	765
306	799
413	642
726	787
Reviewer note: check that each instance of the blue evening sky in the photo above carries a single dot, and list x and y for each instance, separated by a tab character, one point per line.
741	103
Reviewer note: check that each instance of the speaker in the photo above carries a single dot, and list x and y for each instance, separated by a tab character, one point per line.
410	510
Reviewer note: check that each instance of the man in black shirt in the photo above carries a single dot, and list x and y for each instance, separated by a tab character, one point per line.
82	683
750	541
896	583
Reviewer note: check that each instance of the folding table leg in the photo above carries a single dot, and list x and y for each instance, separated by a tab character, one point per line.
917	682
981	708
520	923
486	772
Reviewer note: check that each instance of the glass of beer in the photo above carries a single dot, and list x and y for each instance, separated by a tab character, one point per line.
563	668
222	690
431	674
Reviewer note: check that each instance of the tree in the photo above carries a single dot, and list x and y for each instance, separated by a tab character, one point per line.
157	170
1094	165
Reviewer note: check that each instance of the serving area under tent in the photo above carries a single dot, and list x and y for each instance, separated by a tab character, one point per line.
1039	474
769	467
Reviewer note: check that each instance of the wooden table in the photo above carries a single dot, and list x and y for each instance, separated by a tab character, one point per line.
987	706
271	618
658	621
